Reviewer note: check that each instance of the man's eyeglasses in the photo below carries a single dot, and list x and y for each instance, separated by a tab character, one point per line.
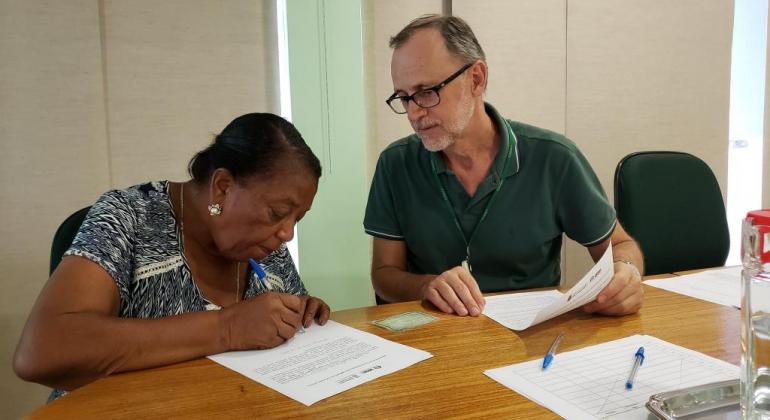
426	98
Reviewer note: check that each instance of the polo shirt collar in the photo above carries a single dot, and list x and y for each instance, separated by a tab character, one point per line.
506	135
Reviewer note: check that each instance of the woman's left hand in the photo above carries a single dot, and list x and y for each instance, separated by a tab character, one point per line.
316	309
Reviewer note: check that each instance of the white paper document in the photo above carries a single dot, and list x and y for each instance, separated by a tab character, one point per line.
519	311
721	286
590	383
322	361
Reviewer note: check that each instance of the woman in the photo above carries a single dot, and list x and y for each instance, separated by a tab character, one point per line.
142	283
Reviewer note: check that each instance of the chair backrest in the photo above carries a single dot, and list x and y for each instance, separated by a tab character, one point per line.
670	203
380	301
64	236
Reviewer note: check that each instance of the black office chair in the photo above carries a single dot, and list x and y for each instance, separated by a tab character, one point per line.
671	204
64	236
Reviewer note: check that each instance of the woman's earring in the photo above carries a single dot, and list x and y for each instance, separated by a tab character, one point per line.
215	209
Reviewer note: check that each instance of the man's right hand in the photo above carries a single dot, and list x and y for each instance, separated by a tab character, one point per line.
455	291
263	322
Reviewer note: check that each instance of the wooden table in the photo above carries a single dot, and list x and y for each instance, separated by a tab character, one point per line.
450	384
696	270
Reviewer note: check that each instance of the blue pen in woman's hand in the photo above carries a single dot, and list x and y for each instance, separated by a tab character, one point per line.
260	273
262	276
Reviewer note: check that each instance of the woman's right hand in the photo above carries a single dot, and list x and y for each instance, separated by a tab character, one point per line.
263	322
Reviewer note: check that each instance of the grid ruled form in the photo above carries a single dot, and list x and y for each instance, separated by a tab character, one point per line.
590	383
721	286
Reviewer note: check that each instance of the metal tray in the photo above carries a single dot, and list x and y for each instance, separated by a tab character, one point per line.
718	400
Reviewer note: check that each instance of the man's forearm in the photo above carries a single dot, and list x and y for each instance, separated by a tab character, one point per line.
396	285
628	250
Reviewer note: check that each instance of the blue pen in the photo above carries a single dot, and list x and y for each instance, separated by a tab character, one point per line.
638	360
262	276
260	273
551	350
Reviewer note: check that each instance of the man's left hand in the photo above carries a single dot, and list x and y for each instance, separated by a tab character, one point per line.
622	296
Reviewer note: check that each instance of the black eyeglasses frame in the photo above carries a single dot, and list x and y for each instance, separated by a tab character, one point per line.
406	98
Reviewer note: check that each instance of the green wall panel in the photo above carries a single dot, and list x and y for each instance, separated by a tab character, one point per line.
327	99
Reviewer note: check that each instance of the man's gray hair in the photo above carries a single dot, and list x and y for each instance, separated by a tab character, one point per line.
458	36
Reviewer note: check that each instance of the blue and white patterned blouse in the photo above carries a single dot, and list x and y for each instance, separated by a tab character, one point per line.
133	235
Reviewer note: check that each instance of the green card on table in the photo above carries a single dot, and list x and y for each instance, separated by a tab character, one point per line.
404	321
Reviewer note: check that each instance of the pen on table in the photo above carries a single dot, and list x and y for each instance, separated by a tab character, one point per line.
262	276
638	360
551	350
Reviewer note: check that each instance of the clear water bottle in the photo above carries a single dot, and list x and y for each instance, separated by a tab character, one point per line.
755	316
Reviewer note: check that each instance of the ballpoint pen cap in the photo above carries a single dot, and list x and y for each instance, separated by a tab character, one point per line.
551	350
547	360
640	353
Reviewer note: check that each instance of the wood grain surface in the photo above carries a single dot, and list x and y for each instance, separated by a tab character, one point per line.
450	384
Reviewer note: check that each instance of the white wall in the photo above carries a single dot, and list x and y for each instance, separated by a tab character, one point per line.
525	45
176	73
99	94
647	75
381	20
54	154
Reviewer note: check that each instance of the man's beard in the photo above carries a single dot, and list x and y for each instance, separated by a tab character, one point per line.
452	130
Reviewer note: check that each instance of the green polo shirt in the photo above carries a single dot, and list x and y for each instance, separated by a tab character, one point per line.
548	188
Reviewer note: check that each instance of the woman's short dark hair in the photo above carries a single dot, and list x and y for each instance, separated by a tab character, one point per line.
254	144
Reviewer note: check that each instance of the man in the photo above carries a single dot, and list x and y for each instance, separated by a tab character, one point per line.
476	203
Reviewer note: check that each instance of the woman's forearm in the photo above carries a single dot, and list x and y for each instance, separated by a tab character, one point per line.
72	349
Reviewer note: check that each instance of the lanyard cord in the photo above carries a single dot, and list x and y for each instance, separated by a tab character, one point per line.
448	203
